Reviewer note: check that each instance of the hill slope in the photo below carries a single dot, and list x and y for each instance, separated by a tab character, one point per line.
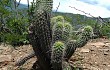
95	55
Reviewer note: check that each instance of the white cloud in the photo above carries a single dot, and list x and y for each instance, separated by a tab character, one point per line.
104	2
96	10
88	8
24	1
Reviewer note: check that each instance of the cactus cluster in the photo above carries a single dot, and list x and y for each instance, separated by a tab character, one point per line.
52	44
61	32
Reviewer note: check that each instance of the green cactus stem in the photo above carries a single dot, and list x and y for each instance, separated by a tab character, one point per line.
57	32
61	31
66	66
40	36
23	60
57	55
80	42
67	31
56	19
85	36
70	49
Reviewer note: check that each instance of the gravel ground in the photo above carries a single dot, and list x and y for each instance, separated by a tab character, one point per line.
95	55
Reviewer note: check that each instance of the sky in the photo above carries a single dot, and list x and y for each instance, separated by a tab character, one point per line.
94	7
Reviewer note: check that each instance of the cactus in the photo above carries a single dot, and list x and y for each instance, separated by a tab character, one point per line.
57	55
57	32
67	31
61	31
80	42
40	35
66	66
56	19
53	49
44	5
70	49
85	36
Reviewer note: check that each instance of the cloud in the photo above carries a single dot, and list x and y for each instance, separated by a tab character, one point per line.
103	3
94	7
93	2
24	1
95	10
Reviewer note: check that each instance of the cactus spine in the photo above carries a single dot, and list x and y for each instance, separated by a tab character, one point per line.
80	42
67	31
70	49
61	31
56	19
85	36
43	40
57	55
57	32
41	33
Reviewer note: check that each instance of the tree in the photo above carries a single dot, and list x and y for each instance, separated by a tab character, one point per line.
13	23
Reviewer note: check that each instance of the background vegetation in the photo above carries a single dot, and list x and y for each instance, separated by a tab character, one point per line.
14	22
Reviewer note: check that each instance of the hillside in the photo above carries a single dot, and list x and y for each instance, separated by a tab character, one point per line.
68	16
95	55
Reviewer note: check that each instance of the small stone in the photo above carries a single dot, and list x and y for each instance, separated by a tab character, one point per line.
106	45
7	68
71	62
105	63
4	58
108	65
105	53
97	44
105	50
85	50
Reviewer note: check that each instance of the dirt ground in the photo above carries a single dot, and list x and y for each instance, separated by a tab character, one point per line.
95	55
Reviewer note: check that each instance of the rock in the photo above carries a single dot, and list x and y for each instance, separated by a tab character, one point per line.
3	48
105	53
7	68
105	50
4	58
108	65
105	63
85	50
94	68
97	44
106	45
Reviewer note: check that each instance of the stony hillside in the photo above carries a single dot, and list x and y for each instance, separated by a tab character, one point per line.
95	55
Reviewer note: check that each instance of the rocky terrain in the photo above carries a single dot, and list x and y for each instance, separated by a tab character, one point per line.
95	55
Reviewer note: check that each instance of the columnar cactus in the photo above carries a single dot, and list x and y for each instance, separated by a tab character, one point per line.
57	32
23	60
61	31
53	49
85	36
41	39
56	19
40	35
80	42
67	31
70	49
57	55
44	5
